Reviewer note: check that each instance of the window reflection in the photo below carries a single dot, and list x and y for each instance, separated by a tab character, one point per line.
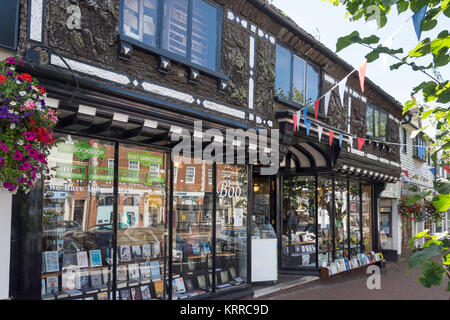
283	73
367	218
299	234
341	219
355	232
325	196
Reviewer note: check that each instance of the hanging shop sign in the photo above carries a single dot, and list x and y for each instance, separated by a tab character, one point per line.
81	149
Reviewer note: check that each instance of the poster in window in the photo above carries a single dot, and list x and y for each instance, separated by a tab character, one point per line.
238	217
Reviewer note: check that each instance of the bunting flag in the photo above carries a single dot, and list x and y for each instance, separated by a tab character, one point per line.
406	173
433	171
298	119
361	142
330	136
417	20
294	119
421	151
316	108
362	74
350	142
305	113
446	168
403	177
342	85
319	132
308	127
327	101
341	136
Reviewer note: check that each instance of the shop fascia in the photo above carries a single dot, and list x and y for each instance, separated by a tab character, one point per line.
258	150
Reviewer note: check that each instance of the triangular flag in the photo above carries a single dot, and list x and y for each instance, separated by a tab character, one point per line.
319	132
406	173
316	108
433	171
330	136
417	20
342	85
446	168
308	127
298	119
361	142
294	119
327	101
350	142
341	136
362	74
403	178
421	151
305	113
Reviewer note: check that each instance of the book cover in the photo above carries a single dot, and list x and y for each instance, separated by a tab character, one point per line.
224	276
122	274
52	284
196	248
305	259
95	258
43	291
125	254
125	294
159	288
51	261
82	259
232	272
201	281
155	270
156	249
102	296
69	259
136	251
136	293
180	285
145	292
188	284
146	251
83	279
145	270
347	264
68	278
96	279
133	272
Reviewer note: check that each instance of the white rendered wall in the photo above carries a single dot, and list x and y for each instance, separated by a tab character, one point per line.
5	241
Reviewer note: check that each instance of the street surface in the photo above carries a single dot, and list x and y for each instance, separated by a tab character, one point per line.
395	285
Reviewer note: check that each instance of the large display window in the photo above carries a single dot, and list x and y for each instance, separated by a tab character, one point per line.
367	217
341	218
325	211
355	218
299	223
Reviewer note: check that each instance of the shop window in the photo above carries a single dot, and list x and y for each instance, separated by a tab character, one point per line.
9	23
325	209
296	80
367	218
192	237
231	225
376	123
190	175
299	234
355	227
385	223
189	29
341	219
77	223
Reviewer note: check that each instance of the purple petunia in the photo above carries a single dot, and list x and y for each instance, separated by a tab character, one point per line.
32	153
41	158
4	147
28	147
2	161
29	135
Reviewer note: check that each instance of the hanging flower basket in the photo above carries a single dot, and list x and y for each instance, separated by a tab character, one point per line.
422	210
26	125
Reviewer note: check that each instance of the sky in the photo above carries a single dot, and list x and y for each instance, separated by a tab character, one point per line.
327	23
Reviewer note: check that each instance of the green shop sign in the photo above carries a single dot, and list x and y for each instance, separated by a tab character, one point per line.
145	158
81	149
107	174
70	171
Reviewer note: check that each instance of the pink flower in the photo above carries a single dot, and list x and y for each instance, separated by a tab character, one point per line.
41	158
25	166
30	136
4	147
2	161
32	153
28	147
18	155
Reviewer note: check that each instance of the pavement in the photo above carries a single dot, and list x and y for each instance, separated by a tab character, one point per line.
394	285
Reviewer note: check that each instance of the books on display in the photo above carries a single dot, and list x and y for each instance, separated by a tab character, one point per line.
145	292
125	294
51	261
155	270
122	273
156	249
125	253
159	288
68	278
96	279
82	259
95	258
133	272
145	270
102	296
69	259
52	284
137	253
179	282
136	293
146	251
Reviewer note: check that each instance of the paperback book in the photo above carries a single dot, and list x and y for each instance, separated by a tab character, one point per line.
146	251
52	284
133	272
155	271
136	251
82	259
145	270
125	254
51	261
145	292
95	258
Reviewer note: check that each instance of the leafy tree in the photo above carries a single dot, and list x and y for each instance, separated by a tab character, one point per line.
435	106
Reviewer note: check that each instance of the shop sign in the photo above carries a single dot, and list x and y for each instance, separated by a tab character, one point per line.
81	149
151	179
70	171
228	189
145	159
100	174
129	176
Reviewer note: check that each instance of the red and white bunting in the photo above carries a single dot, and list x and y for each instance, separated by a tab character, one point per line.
331	134
362	74
361	142
319	132
316	108
327	101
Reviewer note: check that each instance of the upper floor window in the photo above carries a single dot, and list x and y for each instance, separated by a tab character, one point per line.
188	29
418	141
376	122
296	80
190	175
9	24
404	139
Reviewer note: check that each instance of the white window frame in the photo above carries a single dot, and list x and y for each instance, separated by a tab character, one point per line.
130	166
109	163
193	176
210	176
154	173
175	174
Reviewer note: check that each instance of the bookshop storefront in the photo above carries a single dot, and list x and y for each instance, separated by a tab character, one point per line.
118	219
